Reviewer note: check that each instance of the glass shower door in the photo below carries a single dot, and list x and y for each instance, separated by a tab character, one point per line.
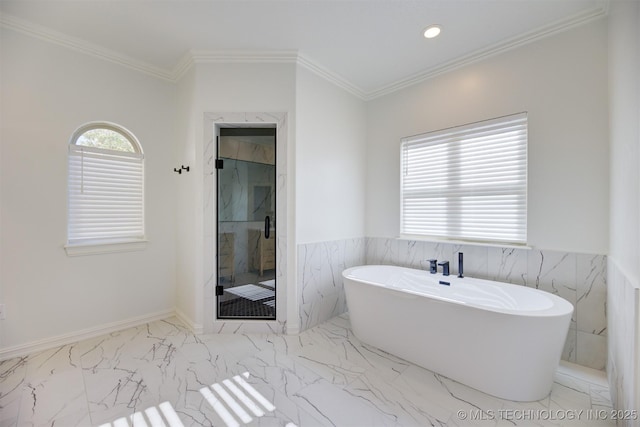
246	227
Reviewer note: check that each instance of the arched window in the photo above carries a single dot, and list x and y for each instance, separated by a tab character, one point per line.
105	186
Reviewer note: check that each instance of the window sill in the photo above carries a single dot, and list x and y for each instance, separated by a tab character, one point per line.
80	249
465	242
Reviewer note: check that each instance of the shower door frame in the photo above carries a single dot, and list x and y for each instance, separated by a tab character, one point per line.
219	288
284	233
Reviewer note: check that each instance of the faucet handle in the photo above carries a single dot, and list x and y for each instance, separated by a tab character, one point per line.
433	266
445	268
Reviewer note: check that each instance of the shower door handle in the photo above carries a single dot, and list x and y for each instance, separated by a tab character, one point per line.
267	226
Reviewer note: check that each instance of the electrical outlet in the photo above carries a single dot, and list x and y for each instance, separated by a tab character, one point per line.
2	312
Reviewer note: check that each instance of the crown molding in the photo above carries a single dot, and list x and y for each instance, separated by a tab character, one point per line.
330	76
243	56
195	57
498	48
80	45
191	58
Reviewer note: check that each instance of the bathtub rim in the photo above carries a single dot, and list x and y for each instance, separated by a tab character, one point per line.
560	306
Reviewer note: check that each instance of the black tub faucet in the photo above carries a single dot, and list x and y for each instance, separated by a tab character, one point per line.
460	264
445	267
433	266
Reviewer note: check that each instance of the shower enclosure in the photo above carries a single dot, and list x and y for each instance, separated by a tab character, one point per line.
246	222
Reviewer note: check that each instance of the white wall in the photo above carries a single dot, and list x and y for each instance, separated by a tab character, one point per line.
330	160
47	92
561	82
624	87
330	195
623	274
186	276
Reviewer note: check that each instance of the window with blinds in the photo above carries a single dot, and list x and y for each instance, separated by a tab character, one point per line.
467	183
105	186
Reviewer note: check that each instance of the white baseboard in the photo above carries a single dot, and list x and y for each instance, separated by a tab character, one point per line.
60	340
196	328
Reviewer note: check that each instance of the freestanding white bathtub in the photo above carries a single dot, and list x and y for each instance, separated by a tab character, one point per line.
505	340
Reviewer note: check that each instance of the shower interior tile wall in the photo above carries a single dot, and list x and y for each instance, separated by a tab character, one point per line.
579	278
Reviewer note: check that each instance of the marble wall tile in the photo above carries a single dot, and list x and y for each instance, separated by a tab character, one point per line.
507	265
411	254
388	251
439	251
554	272
333	264
623	323
592	294
476	260
237	148
591	350
569	351
310	261
354	252
371	254
320	284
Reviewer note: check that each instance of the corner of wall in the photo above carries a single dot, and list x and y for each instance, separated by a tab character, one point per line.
623	279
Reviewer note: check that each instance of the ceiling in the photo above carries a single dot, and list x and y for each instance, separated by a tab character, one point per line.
370	45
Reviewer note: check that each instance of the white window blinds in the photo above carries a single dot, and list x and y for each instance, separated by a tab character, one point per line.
467	182
106	195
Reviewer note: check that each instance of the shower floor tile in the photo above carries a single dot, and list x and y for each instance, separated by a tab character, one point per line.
323	377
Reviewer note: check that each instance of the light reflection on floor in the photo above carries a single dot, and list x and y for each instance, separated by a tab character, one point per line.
151	417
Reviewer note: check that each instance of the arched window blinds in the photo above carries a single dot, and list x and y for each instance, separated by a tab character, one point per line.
105	186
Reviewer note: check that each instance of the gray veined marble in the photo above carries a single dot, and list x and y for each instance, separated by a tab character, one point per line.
507	265
322	377
623	303
579	278
320	287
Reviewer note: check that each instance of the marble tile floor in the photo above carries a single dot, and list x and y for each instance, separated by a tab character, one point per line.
322	377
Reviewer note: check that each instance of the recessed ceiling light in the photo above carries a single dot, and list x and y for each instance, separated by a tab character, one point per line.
432	31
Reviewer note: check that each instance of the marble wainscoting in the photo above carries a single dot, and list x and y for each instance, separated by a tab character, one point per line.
320	287
579	278
624	340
